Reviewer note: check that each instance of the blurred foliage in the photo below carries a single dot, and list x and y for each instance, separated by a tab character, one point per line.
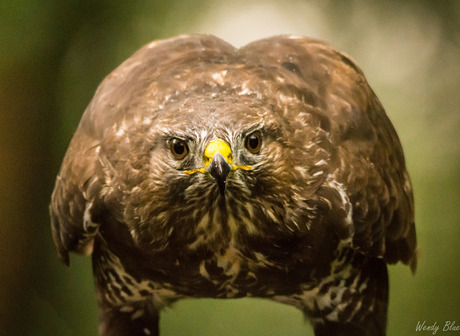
53	55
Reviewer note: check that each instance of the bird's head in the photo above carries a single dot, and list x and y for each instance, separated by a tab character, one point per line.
216	150
207	146
213	165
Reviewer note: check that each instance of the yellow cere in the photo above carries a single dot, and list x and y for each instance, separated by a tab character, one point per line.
217	146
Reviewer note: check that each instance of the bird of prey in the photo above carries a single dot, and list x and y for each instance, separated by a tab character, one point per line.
201	170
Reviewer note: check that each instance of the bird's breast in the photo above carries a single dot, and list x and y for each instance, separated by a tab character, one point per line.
227	248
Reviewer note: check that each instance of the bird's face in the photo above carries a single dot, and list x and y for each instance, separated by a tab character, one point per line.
222	168
212	152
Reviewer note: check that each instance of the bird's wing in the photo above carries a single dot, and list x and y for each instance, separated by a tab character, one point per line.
86	186
76	189
368	160
370	163
366	155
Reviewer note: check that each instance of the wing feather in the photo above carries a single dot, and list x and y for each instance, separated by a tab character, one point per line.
366	155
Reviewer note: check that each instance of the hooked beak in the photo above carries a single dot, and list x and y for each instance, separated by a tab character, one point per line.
219	169
218	163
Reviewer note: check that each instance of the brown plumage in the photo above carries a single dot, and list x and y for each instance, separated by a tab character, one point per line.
202	170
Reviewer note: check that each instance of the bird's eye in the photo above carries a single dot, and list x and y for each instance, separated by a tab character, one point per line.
178	148
253	142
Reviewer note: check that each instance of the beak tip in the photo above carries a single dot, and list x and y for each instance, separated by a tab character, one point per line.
219	169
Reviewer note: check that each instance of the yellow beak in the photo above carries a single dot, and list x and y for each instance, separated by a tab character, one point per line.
217	147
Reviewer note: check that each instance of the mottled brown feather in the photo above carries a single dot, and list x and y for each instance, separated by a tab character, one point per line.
329	189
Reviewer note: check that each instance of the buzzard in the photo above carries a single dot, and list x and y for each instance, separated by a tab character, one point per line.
203	170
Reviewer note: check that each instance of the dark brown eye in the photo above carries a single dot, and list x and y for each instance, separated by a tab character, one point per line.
253	142
178	148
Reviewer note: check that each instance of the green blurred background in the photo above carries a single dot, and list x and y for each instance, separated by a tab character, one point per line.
53	54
